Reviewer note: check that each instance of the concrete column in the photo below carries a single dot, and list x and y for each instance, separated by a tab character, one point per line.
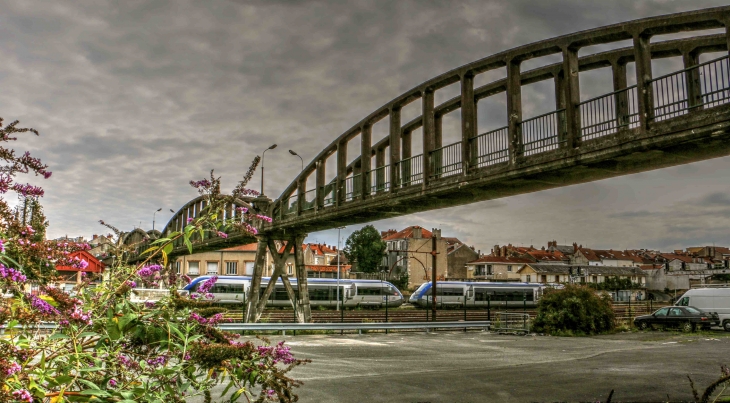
258	272
644	90
621	100
365	157
559	84
429	132
469	152
301	270
571	88
437	156
692	79
341	172
380	166
301	190
321	171
395	142
514	111
405	171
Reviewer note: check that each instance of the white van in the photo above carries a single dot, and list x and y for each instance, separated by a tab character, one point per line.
709	300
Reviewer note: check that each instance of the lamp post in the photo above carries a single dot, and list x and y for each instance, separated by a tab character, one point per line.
153	217
273	146
338	266
300	157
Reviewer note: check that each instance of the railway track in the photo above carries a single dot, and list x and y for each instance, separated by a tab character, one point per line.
622	312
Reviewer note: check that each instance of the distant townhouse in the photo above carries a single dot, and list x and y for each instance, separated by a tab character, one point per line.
599	257
683	262
409	252
457	257
552	273
496	268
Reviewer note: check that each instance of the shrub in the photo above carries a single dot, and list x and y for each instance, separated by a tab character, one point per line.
574	310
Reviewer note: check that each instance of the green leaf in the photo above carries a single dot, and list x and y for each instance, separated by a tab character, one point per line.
167	248
189	245
90	369
90	384
237	394
150	250
95	392
160	240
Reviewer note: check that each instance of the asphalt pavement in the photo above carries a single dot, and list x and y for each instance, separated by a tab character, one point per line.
479	366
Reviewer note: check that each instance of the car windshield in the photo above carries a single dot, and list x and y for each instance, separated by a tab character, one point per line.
692	310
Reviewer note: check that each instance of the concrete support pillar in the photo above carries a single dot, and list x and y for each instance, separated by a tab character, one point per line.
319	179
301	270
559	84
621	100
301	190
514	111
571	88
692	79
469	152
395	143
429	132
365	158
341	172
258	271
644	89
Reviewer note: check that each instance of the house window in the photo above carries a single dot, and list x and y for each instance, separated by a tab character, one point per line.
249	268
212	268
177	267
194	268
232	268
595	279
527	278
557	278
480	270
289	269
509	267
489	269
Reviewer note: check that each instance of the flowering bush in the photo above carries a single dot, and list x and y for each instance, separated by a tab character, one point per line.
94	345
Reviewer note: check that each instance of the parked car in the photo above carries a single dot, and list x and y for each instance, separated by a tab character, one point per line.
686	318
709	300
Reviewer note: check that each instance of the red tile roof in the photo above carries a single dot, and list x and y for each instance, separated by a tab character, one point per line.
408	233
326	268
546	256
500	259
673	256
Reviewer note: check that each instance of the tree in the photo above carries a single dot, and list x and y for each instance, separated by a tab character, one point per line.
365	248
576	310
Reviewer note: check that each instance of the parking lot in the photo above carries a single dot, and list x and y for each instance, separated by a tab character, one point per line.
483	366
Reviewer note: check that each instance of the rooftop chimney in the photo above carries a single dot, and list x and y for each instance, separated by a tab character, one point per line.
417	233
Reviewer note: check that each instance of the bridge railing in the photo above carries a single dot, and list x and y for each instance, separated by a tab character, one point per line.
544	132
446	161
715	82
329	193
380	180
609	113
491	147
353	187
310	200
410	170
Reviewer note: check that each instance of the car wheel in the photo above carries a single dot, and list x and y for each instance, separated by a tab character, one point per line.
688	327
643	325
726	325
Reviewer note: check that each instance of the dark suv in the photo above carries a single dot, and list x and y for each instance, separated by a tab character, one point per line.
686	318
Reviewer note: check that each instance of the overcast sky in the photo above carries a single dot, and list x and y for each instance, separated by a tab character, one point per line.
135	98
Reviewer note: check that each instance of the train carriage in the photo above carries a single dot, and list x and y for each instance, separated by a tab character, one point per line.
322	292
478	294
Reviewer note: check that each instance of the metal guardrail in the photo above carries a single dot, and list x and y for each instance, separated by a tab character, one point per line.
283	327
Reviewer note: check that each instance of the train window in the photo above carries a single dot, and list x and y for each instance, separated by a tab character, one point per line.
368	291
388	290
319	294
449	291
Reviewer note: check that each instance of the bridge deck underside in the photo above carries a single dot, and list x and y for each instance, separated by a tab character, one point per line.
700	136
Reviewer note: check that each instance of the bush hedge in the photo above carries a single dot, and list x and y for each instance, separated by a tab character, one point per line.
574	310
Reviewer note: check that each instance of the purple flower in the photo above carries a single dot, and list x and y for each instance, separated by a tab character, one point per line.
157	361
190	219
207	285
2	246
23	395
28	190
131	283
270	393
43	306
11	274
112	383
150	304
222	235
14	367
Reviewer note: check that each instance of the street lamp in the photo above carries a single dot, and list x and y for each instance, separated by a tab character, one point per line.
338	266
300	157
153	218
273	146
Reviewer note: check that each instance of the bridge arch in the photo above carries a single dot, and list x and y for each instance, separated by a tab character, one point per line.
660	121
